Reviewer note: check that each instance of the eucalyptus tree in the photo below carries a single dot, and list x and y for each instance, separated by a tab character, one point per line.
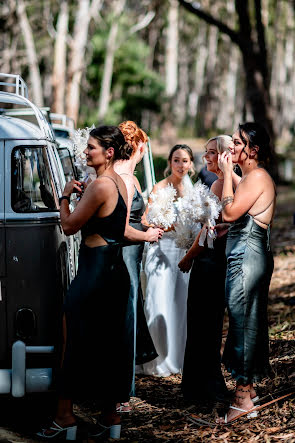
251	41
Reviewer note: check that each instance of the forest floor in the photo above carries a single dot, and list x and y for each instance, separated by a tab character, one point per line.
159	411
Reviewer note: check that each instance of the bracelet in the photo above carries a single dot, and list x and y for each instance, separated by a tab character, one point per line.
226	201
64	197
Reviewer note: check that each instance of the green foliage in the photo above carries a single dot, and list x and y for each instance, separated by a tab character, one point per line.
160	164
134	86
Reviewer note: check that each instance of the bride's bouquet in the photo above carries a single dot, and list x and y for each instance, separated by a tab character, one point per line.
79	139
162	212
198	205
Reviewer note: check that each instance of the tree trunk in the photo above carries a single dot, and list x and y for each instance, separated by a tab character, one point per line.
172	49
34	72
255	60
60	54
105	90
77	55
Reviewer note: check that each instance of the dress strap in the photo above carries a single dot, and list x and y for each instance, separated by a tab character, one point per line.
113	180
261	212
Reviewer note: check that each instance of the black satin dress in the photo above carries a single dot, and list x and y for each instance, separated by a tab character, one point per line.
202	378
249	271
95	365
139	345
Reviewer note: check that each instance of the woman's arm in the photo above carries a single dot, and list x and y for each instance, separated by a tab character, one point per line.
186	263
132	234
93	198
247	193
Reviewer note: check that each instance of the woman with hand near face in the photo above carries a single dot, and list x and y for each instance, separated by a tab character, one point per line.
250	213
95	305
166	288
135	235
202	379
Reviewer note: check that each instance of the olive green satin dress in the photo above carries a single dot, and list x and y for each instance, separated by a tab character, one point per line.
249	271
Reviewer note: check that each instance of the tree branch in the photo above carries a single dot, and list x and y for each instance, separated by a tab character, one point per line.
261	41
196	9
143	23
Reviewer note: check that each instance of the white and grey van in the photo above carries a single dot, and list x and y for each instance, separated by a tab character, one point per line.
37	261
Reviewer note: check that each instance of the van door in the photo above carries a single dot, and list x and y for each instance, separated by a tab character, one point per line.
3	329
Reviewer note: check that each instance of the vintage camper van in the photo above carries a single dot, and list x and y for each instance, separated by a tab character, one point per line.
36	258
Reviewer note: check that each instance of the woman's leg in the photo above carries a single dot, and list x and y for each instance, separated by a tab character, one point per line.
242	401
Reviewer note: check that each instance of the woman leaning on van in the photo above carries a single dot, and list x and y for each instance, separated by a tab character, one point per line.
94	366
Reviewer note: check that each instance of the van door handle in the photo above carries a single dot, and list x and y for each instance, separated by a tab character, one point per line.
0	291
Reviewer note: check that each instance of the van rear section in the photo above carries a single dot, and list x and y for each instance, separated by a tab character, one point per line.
35	264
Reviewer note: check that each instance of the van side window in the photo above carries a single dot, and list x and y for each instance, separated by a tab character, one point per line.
32	188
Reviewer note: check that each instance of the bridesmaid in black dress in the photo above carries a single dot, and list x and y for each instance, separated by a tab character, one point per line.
94	364
249	263
139	345
202	379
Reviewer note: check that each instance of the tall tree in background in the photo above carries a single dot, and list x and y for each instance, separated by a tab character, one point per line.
59	63
85	12
250	38
28	37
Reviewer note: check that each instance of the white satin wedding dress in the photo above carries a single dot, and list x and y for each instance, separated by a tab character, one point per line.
165	306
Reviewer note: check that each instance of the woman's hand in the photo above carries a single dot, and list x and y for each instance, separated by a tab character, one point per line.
225	163
154	234
73	186
185	264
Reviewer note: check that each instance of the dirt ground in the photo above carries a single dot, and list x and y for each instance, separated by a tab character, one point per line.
159	412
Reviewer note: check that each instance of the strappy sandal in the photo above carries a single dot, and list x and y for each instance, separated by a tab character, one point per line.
55	430
251	413
113	431
123	407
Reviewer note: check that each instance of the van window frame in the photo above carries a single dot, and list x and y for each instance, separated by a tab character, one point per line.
52	180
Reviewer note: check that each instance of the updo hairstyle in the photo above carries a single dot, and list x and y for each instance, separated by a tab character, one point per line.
133	134
112	137
191	156
256	135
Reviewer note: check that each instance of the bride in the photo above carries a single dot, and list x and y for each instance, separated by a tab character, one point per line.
167	286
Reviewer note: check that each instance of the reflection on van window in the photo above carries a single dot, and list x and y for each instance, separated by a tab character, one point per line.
61	133
32	189
67	164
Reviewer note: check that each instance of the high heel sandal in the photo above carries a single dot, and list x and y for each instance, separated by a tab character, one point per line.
123	407
113	431
70	432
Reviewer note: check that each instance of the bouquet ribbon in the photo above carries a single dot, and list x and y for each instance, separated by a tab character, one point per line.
208	233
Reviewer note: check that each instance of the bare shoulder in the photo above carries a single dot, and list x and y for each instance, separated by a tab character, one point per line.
137	184
216	188
101	185
160	185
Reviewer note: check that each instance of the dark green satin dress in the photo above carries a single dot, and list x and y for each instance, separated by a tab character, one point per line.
249	271
139	345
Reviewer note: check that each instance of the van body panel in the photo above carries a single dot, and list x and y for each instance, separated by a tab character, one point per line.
38	251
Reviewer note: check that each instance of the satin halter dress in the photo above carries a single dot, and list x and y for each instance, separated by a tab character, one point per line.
249	271
139	345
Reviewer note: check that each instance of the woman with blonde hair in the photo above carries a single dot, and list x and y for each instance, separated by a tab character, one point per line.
203	381
166	288
135	235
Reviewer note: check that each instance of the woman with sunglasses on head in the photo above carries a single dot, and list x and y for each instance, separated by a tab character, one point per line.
250	213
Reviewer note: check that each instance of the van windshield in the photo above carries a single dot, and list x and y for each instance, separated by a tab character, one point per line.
32	187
